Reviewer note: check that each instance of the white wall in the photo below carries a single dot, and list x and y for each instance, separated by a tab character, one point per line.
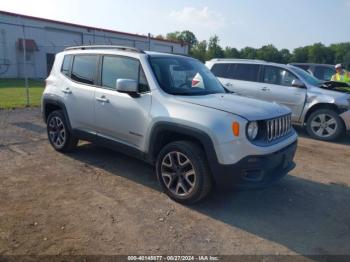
54	37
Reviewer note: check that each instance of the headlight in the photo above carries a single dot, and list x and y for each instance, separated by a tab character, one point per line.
252	130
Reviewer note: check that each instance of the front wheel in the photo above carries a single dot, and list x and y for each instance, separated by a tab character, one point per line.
324	124
183	172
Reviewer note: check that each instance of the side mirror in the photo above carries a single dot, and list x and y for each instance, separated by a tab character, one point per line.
298	83
127	86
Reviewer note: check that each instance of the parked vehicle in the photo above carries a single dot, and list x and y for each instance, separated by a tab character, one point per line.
321	71
321	108
170	111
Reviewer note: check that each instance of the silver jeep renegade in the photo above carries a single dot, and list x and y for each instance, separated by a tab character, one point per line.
170	111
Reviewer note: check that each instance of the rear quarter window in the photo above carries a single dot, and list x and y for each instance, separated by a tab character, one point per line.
66	65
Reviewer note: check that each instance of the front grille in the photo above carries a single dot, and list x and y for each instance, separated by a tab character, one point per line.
278	127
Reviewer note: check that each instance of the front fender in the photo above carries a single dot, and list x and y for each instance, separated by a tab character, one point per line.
314	99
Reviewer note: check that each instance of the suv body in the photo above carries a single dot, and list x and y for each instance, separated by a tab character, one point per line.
322	109
323	72
170	111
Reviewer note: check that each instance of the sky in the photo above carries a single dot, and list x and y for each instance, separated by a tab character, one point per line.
254	23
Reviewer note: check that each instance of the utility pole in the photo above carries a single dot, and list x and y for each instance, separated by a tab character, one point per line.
149	41
25	66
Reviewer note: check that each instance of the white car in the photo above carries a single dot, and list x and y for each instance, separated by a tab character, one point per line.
170	111
323	110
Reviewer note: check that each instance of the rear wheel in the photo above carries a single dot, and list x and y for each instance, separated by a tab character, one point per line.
324	124
59	134
183	172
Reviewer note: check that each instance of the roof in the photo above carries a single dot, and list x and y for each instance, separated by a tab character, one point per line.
111	49
312	64
87	27
235	60
247	61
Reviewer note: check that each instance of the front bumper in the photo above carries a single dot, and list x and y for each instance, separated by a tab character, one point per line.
256	171
346	118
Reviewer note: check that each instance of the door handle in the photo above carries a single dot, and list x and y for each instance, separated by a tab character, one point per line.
67	90
102	99
228	84
265	89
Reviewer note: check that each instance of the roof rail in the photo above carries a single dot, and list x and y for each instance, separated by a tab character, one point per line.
237	59
115	47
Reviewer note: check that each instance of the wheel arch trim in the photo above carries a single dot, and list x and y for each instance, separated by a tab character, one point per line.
195	133
53	100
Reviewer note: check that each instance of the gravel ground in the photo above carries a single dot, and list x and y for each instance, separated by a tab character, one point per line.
95	201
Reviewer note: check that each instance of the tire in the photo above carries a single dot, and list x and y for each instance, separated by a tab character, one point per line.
325	125
176	160
59	134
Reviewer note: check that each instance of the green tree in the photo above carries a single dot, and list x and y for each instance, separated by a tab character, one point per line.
214	49
318	53
346	60
286	56
231	52
188	37
248	53
269	53
185	36
173	36
341	53
300	55
199	51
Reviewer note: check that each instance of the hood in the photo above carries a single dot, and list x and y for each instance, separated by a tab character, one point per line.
330	92
336	87
335	94
248	108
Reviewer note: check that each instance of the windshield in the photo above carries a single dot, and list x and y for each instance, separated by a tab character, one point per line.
311	80
184	76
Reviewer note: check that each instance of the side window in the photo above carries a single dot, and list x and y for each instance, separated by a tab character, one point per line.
278	76
84	68
328	73
304	67
324	73
220	70
115	67
245	72
67	62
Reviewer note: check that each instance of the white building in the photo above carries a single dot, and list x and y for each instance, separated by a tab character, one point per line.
45	38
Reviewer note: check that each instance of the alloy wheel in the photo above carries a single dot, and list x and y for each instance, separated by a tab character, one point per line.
324	125
57	132
178	174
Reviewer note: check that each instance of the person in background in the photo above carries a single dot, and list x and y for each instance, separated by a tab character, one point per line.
341	75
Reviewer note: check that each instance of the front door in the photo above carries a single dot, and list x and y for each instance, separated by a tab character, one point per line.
119	116
277	87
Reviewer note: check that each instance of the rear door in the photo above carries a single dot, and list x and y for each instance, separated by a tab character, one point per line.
78	90
239	78
277	87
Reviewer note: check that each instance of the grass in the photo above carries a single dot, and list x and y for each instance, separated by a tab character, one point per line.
13	93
